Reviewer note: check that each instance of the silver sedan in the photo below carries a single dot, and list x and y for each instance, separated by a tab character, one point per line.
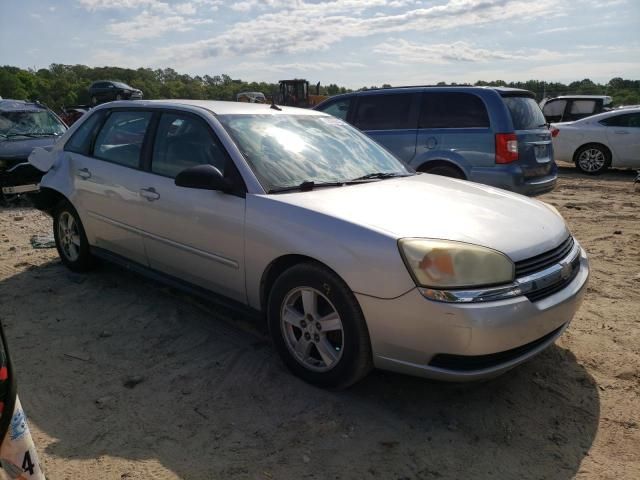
354	260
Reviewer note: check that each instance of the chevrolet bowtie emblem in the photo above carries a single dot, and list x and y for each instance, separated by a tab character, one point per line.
565	271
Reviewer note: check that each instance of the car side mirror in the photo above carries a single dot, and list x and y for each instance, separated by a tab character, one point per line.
203	177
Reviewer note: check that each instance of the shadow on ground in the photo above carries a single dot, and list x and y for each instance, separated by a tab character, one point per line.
111	364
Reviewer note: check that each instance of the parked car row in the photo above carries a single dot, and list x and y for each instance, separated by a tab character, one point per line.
354	259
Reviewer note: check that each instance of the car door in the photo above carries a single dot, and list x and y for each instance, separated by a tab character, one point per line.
106	178
455	126
623	133
391	119
195	235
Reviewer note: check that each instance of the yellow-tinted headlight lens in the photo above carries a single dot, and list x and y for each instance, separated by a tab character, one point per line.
447	264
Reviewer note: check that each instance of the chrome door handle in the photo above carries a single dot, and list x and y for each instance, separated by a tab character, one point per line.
84	173
149	193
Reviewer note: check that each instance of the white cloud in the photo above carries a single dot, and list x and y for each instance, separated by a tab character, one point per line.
307	27
148	25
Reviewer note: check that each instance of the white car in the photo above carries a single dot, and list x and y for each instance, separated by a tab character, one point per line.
610	139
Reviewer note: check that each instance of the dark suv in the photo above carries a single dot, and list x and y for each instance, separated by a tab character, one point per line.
108	90
496	136
23	126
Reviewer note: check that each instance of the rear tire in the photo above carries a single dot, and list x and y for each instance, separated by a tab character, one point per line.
592	159
71	240
318	328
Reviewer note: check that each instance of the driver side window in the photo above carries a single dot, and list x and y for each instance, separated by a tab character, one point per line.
184	141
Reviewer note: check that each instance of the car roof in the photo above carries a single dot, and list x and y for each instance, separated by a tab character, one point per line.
8	105
217	107
503	91
586	97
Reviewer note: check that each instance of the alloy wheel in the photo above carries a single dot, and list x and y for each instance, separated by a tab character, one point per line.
592	160
312	329
69	236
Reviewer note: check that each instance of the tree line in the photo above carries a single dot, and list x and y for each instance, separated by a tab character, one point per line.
62	85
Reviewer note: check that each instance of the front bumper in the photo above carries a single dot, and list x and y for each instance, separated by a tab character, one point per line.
411	334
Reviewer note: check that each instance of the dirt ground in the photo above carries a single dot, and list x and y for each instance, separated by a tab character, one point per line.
123	378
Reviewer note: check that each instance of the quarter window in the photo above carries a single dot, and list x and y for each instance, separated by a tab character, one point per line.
183	141
384	112
120	139
581	107
81	140
339	108
453	110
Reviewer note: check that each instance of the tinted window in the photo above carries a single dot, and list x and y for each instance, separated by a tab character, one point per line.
583	106
452	110
338	109
525	113
81	140
384	112
555	108
628	120
120	139
183	141
286	150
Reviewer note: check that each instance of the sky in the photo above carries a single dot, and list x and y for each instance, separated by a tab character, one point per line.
348	42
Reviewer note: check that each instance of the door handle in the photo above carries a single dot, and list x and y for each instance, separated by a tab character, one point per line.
149	193
84	173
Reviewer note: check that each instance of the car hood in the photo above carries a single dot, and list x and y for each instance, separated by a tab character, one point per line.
21	148
431	206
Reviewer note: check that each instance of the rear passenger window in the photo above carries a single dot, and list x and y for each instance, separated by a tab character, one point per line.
453	110
183	141
120	139
80	142
628	120
384	112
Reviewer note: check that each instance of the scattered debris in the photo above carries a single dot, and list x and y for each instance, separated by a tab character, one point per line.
18	218
617	232
43	241
78	356
105	334
105	401
306	459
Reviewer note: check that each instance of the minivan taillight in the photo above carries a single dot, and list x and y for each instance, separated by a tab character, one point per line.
506	147
554	132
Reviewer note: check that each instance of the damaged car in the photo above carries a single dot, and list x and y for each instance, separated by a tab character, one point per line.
23	126
353	259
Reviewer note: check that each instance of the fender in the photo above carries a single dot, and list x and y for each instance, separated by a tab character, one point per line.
450	156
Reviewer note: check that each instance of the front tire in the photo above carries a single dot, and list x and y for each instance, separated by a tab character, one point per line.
71	240
318	328
592	159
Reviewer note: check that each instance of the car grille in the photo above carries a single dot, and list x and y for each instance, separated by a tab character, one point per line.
544	260
541	293
467	363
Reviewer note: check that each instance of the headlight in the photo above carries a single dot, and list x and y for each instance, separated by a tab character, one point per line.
443	264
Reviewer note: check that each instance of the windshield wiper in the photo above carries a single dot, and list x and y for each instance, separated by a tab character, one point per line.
305	186
380	175
30	135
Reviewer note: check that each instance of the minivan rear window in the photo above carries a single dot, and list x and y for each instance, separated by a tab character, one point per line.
453	110
525	113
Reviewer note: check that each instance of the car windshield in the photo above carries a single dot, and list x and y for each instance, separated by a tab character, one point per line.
287	150
29	123
525	113
122	85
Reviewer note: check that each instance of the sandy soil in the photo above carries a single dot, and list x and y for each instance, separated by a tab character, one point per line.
125	379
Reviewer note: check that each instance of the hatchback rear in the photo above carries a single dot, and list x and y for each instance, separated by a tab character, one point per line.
495	136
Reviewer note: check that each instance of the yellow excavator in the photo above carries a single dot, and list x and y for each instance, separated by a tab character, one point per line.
295	93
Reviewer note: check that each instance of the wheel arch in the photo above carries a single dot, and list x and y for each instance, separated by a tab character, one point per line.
441	162
595	144
48	199
278	266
